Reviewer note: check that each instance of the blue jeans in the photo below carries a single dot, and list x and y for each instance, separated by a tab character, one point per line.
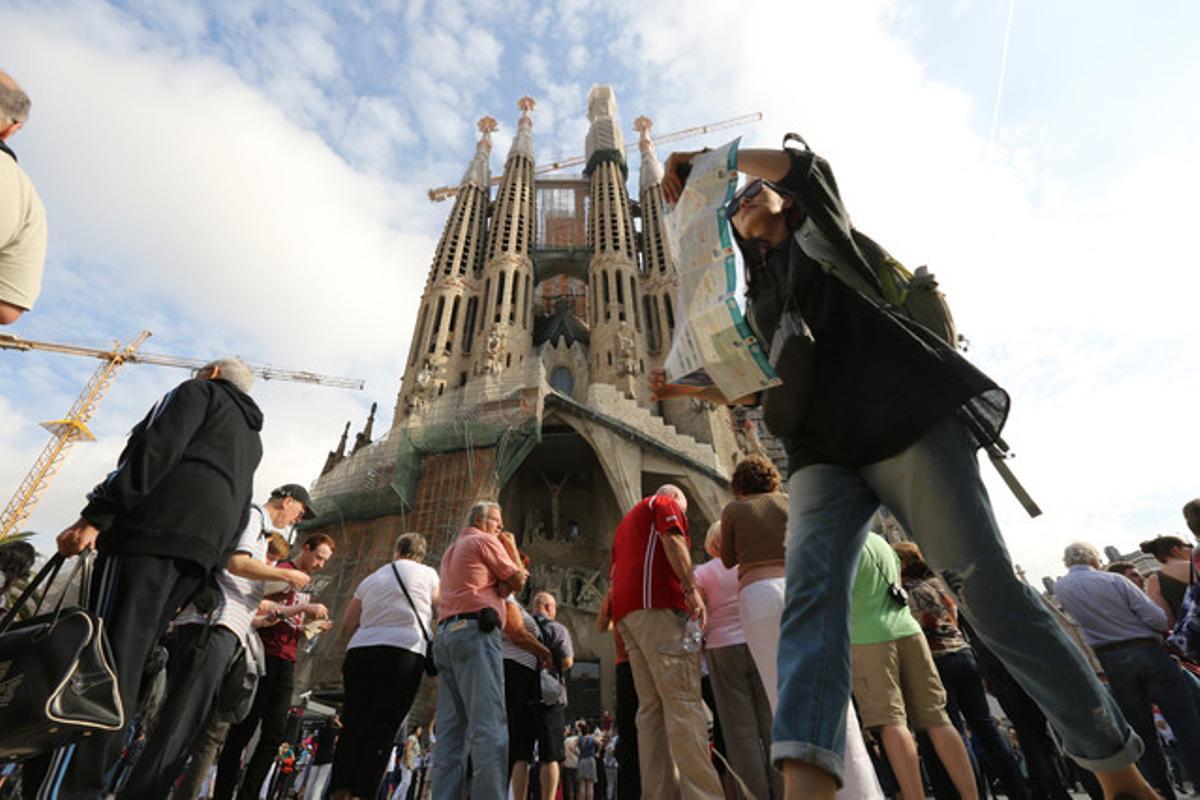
934	489
1145	674
965	696
470	713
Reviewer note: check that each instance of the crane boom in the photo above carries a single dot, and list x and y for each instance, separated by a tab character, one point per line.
64	433
74	427
446	192
264	371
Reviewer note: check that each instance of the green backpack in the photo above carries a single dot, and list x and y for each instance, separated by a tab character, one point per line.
878	275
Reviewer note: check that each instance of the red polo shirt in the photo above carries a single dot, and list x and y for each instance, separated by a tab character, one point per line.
640	572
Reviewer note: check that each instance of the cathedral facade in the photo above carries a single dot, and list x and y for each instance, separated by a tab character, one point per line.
548	302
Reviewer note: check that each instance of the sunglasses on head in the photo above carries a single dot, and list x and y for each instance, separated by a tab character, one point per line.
748	191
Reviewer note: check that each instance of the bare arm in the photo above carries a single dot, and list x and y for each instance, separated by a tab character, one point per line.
761	163
246	566
676	550
1154	592
352	617
514	629
516	582
660	389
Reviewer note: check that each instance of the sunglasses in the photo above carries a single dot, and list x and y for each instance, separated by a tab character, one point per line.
750	190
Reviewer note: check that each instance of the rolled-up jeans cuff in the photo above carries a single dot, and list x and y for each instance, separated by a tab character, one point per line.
1129	753
808	753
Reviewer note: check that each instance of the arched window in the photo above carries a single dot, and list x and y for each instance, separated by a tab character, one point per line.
563	381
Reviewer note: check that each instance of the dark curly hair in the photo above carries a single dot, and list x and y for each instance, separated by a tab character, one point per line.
754	474
16	560
1162	546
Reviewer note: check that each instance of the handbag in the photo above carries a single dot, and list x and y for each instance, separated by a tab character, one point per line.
57	682
430	667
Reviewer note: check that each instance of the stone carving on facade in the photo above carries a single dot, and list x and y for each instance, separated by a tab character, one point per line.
571	586
535	527
627	352
747	438
495	349
426	384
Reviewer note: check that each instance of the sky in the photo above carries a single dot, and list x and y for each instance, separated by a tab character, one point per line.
249	177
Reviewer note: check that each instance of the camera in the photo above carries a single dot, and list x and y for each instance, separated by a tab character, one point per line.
898	595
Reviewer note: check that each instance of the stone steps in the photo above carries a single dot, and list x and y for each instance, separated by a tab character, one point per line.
609	400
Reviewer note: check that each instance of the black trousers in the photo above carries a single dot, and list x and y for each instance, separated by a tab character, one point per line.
136	596
199	657
380	683
270	707
629	776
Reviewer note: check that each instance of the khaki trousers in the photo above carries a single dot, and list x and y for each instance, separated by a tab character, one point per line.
671	724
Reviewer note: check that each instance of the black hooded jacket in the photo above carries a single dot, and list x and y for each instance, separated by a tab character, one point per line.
183	484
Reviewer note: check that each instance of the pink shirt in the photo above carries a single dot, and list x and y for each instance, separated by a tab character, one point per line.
471	568
720	586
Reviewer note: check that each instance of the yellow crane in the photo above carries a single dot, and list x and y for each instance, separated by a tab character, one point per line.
74	426
446	192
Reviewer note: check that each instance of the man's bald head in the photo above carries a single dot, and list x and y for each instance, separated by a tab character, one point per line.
675	493
14	105
544	603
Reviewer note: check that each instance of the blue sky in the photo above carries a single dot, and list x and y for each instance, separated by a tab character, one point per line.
249	177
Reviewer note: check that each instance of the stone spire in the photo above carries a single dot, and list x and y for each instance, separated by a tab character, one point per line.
522	143
336	457
506	318
444	333
364	437
651	172
479	172
617	348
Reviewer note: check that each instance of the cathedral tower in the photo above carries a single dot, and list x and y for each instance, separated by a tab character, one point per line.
617	351
505	322
444	338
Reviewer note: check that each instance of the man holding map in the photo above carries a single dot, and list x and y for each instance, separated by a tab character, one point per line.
886	412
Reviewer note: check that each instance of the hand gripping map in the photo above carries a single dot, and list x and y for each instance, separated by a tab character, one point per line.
713	343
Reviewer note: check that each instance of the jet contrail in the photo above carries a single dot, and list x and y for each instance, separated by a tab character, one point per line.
1003	70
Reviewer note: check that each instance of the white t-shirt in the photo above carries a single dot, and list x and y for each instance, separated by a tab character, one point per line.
239	596
720	585
387	618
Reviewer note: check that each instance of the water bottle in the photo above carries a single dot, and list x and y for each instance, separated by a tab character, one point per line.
692	636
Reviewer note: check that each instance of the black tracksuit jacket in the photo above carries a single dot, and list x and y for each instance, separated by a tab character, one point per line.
183	484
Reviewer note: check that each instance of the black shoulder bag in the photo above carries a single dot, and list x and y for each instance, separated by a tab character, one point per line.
57	682
430	667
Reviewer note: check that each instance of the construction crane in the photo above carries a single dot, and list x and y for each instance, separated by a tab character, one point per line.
446	192
74	426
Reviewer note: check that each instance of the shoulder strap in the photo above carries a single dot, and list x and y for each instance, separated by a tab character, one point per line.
408	597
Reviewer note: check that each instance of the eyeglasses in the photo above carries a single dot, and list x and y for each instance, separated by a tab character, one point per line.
750	190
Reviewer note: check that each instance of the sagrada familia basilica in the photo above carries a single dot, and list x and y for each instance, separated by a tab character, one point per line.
547	303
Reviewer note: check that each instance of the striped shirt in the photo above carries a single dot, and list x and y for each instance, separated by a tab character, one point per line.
239	596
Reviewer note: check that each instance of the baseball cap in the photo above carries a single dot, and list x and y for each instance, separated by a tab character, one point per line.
297	492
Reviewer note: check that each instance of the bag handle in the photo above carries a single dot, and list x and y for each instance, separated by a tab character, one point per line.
413	605
46	574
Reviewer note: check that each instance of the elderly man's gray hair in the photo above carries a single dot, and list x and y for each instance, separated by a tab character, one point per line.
1080	553
14	103
480	509
234	370
674	492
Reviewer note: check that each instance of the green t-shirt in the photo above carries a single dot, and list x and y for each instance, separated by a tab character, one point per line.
874	616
